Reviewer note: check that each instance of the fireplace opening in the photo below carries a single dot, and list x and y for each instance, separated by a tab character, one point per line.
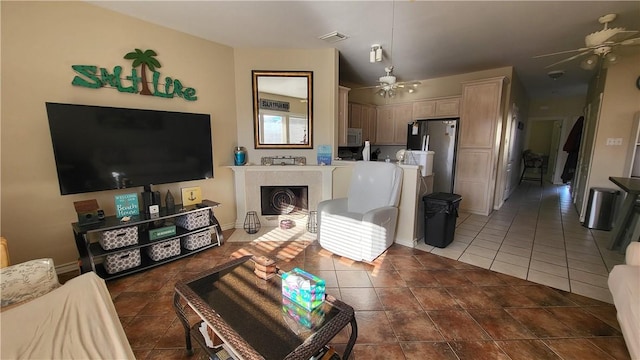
283	200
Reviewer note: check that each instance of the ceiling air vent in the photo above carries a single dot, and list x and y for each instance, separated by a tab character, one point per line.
333	37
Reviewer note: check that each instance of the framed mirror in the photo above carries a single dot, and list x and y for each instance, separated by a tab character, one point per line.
282	109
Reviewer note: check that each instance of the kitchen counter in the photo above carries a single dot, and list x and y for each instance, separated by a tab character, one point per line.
352	162
626	225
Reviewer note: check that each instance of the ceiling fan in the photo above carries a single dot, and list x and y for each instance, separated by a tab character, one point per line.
388	86
599	44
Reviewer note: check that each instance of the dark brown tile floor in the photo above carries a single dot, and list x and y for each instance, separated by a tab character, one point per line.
409	305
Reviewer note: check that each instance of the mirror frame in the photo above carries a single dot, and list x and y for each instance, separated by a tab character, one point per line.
308	75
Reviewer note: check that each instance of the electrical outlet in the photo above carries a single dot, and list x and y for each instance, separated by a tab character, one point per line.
609	141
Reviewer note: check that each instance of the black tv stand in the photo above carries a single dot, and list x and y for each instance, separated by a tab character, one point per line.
92	255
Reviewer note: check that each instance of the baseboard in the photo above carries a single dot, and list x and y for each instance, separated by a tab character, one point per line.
66	268
229	226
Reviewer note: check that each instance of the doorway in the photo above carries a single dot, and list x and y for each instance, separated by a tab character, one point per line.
543	137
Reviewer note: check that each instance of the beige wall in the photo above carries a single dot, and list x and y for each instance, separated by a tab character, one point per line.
553	107
620	102
323	63
40	42
540	136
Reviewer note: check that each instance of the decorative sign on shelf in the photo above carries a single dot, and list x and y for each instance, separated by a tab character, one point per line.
191	195
126	205
324	155
90	76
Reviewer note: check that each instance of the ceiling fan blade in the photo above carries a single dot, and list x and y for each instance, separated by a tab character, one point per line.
568	59
634	41
560	52
621	36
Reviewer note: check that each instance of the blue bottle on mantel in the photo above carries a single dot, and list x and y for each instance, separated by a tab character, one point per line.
239	156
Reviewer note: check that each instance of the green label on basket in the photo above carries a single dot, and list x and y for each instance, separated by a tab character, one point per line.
162	232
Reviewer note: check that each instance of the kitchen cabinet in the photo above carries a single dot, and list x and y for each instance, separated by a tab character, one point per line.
478	144
436	108
363	117
343	115
369	115
391	124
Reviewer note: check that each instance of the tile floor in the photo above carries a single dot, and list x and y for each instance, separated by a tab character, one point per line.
412	304
537	236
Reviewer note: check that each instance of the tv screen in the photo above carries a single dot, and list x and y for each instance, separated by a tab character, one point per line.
103	148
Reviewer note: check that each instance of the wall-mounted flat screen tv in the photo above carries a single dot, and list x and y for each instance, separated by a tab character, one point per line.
103	148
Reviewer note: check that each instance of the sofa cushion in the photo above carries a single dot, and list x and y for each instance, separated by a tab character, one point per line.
27	280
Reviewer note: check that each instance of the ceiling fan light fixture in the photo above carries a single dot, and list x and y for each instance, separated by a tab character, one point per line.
611	58
590	63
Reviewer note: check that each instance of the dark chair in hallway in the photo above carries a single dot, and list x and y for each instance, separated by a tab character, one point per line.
532	161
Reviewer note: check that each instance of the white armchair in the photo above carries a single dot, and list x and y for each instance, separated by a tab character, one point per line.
362	225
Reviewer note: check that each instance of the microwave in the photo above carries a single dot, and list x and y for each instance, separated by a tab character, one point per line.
354	137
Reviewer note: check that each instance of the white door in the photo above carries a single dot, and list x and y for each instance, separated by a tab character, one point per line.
583	169
512	169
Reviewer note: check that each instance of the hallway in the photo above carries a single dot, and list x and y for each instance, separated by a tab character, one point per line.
536	236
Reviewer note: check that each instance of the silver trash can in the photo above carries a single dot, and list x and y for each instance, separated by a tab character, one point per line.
601	208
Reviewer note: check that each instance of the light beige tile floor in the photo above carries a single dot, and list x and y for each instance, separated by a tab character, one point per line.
537	236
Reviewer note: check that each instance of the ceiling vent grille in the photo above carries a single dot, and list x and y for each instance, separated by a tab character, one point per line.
333	37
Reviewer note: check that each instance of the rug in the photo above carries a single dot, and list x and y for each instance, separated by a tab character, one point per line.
266	233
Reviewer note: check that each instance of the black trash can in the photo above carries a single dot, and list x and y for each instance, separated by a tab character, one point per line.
440	213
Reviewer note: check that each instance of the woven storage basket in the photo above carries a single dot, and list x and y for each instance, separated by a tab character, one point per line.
113	239
122	261
164	250
194	220
197	240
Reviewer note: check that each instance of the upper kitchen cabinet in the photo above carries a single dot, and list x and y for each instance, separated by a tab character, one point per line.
391	124
479	144
436	108
363	117
343	115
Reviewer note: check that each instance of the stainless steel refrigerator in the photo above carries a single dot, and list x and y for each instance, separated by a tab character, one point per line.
440	136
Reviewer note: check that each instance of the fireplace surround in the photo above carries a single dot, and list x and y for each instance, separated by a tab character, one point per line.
248	180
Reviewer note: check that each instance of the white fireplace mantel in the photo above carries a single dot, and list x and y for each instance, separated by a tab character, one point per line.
249	178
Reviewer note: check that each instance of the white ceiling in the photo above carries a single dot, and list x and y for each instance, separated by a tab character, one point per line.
430	38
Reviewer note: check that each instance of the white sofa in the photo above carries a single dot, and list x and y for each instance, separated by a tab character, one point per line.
41	319
624	284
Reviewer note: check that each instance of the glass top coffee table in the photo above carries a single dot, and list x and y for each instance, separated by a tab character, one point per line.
247	314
